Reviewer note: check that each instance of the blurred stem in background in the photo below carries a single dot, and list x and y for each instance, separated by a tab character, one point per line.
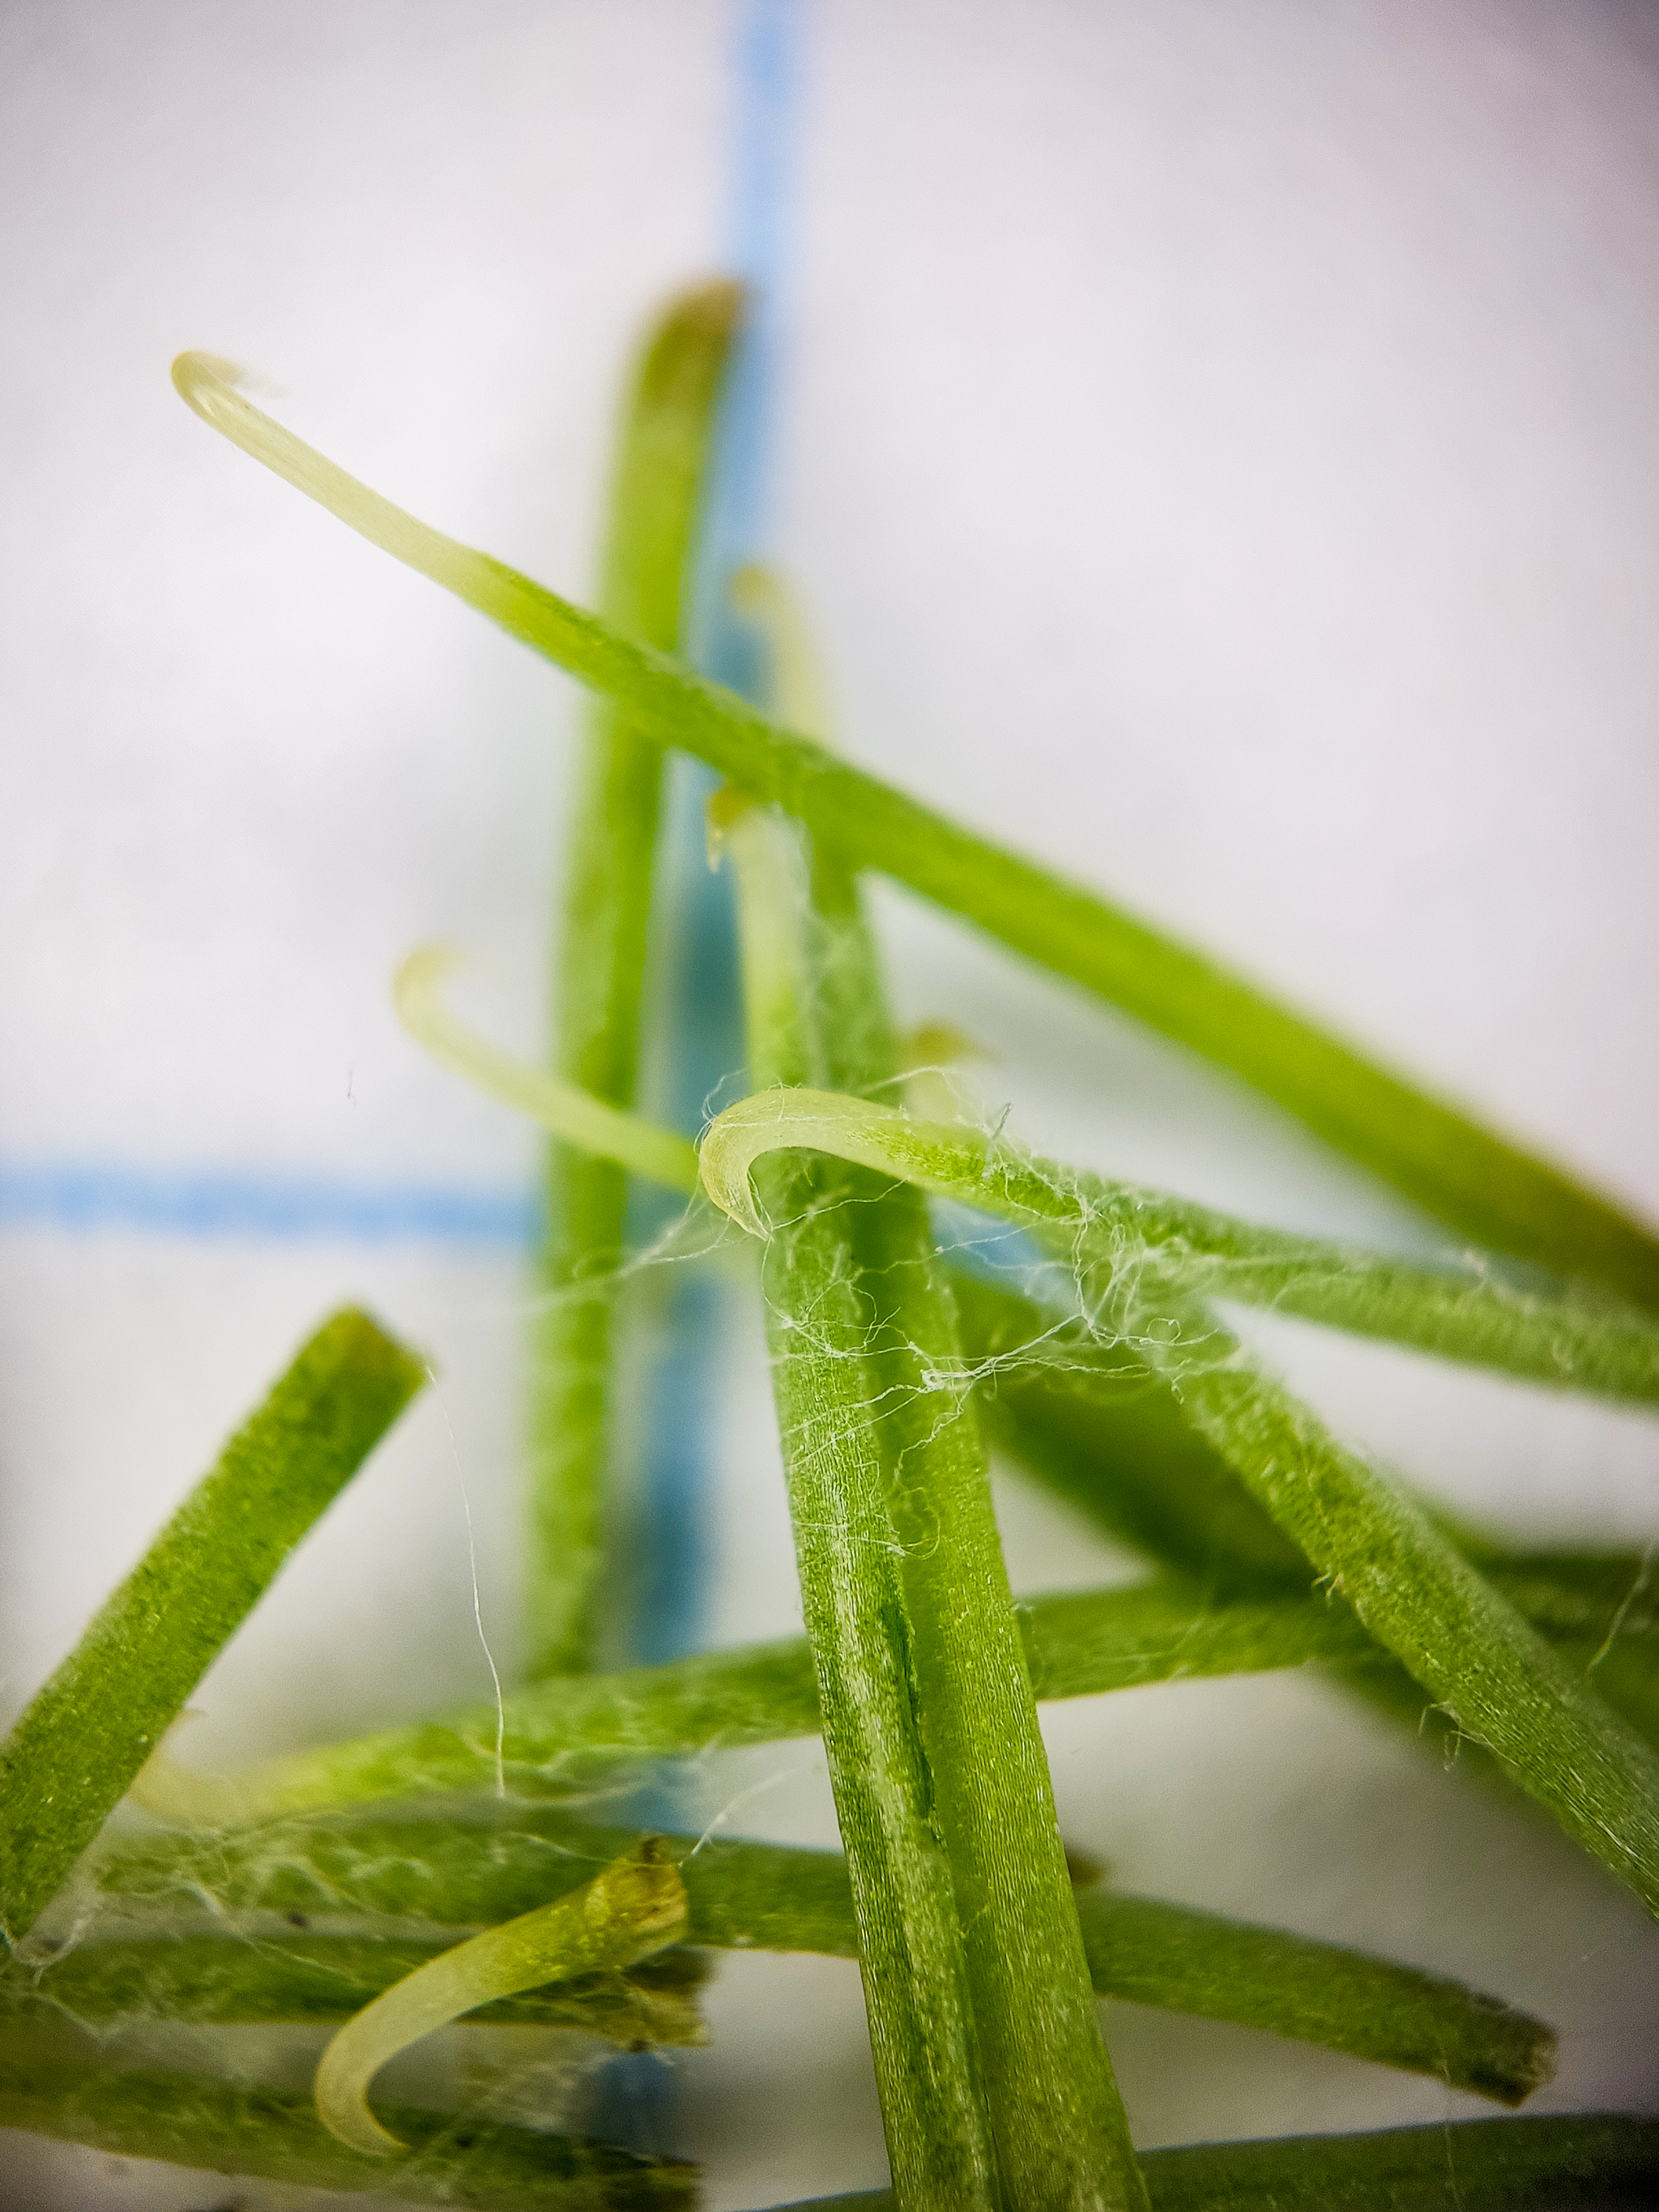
599	974
645	991
692	1040
688	496
1597	2163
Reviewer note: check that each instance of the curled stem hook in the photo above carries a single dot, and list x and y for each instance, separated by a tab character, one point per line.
569	1112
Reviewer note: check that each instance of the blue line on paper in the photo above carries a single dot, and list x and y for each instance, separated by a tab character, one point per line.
223	1205
633	2101
702	1031
702	1027
99	1196
735	524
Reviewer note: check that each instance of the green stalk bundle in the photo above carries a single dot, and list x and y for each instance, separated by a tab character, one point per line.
743	1896
564	1736
1407	1581
445	1871
1483	1185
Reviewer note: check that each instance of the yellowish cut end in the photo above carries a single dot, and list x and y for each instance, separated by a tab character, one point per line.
208	384
635	1907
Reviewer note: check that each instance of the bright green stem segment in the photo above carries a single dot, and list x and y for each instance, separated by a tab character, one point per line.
911	1951
635	1906
1447	1623
600	967
740	1896
72	1755
1062	2136
1091	1421
1406	1579
1088	1418
1118	1237
1598	2163
1472	1635
1490	1190
236	2128
565	1735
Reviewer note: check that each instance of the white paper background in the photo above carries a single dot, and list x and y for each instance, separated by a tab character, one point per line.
1217	449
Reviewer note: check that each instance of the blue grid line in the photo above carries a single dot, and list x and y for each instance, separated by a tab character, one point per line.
88	1198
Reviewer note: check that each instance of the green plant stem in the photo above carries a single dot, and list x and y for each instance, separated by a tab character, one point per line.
1061	2136
1595	2162
235	2128
1091	1421
1117	1238
75	1752
1096	1424
740	1896
1183	1961
912	1957
1088	1418
567	1736
633	1906
1447	1623
600	967
1113	1236
1405	1578
315	1980
1487	1188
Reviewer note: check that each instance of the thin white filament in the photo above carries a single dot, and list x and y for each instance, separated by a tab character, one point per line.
478	1598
